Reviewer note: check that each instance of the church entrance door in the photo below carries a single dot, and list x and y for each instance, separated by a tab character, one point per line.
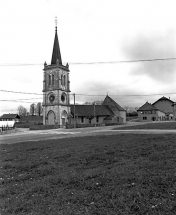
51	118
63	121
64	118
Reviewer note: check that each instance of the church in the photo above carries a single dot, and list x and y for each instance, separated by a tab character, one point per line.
56	89
56	98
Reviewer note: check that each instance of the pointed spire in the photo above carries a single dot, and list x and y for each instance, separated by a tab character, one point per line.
56	51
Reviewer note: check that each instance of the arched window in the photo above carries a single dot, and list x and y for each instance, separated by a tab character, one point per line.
64	80
49	79
61	79
52	79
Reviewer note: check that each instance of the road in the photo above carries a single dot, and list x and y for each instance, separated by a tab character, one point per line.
24	135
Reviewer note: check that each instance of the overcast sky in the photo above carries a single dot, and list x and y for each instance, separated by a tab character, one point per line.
89	31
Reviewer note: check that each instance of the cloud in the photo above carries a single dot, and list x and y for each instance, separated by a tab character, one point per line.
152	47
117	92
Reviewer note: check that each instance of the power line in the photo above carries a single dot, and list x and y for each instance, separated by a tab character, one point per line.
21	64
14	101
126	61
27	99
157	94
21	100
8	91
77	94
91	63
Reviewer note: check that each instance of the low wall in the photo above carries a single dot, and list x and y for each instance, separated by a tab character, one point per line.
82	125
69	126
43	127
26	124
91	125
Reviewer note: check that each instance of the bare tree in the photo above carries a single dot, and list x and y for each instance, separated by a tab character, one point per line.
127	108
97	102
33	109
87	103
22	111
39	109
136	108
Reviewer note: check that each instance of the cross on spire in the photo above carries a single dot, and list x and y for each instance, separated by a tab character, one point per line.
56	22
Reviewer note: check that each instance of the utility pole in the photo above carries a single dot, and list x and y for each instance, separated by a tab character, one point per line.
94	114
74	110
45	97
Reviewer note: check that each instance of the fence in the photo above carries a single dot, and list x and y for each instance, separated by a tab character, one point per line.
6	128
6	125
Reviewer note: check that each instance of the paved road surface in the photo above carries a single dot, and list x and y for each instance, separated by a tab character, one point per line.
25	135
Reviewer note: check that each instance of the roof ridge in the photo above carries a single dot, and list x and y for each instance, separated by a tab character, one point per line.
114	102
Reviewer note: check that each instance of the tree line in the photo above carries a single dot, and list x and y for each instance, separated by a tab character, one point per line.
37	109
34	110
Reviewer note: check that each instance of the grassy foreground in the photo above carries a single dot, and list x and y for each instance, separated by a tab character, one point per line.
116	174
155	125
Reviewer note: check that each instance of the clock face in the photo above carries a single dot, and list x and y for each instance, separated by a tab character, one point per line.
62	97
51	98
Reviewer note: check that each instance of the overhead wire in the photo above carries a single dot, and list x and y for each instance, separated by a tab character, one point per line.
11	91
77	94
98	62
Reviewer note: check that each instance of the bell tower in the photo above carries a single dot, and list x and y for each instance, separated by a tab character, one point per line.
56	89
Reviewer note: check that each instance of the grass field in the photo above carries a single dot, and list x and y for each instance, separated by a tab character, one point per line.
155	125
115	174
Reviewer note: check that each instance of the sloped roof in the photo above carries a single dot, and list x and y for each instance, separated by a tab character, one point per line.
9	116
163	98
56	51
31	118
112	104
148	106
88	110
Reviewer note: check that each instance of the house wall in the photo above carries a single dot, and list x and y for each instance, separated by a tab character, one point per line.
148	116
7	123
164	105
115	119
161	116
122	114
86	120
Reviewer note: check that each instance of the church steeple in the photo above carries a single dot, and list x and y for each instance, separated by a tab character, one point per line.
56	51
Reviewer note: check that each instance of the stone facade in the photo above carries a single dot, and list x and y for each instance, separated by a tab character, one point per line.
56	90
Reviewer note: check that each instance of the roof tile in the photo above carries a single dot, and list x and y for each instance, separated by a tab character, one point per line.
88	110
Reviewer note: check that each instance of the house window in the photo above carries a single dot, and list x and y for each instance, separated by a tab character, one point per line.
144	118
97	119
82	119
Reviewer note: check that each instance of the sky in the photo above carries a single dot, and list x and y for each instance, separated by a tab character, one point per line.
89	31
